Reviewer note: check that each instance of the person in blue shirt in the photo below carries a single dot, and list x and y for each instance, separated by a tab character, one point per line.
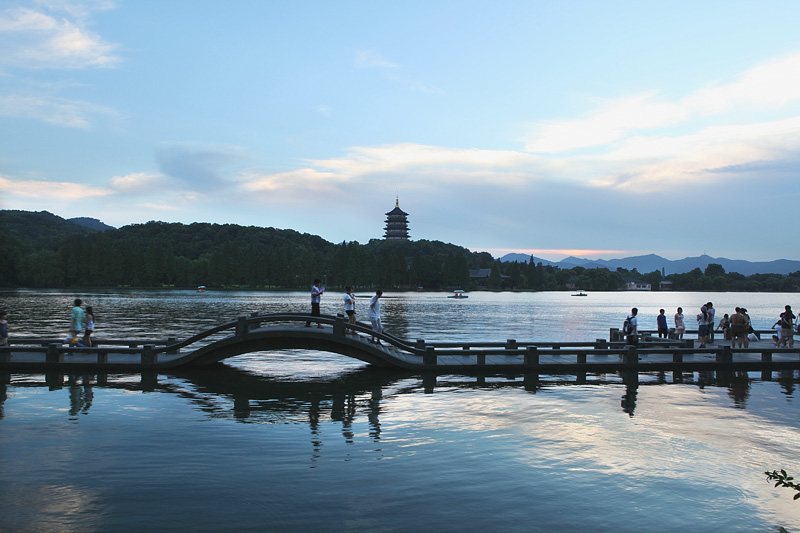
78	318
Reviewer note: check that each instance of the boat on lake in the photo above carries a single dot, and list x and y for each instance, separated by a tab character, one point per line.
458	294
580	293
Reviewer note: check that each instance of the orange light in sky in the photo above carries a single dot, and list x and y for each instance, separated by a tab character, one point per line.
566	252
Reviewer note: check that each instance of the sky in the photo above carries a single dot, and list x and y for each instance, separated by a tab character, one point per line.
596	129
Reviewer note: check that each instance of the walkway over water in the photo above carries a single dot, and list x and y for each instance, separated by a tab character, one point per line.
282	331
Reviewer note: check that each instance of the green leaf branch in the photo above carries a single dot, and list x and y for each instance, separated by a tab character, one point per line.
782	479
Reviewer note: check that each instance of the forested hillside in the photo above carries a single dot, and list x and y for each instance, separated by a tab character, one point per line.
42	250
47	251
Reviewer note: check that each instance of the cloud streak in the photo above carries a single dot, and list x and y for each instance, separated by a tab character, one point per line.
33	40
53	110
48	190
771	86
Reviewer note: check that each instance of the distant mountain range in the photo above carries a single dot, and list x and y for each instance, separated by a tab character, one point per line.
644	264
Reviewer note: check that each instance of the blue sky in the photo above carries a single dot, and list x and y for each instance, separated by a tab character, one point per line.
597	129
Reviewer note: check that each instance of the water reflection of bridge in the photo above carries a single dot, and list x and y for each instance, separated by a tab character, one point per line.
262	333
224	391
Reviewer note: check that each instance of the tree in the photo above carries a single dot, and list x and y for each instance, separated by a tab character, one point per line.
714	269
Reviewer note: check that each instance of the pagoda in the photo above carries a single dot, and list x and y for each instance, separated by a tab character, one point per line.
396	223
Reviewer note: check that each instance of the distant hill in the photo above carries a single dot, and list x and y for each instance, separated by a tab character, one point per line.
645	264
32	226
91	223
41	249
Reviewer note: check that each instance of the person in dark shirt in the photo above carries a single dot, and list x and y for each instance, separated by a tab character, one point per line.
661	321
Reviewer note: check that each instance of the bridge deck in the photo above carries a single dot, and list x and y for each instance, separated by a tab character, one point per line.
279	332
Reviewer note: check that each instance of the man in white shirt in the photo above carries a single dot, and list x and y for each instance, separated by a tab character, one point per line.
316	295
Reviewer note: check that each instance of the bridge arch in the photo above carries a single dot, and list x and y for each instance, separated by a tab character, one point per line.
274	338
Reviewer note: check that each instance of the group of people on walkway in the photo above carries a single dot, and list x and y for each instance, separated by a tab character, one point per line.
349	308
736	327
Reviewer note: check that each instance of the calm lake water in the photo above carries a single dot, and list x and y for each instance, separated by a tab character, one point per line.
310	441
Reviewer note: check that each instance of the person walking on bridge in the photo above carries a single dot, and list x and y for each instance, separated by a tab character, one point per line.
77	319
350	308
702	326
316	295
712	313
680	326
87	336
375	314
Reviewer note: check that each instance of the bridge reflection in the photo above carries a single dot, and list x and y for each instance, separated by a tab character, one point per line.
224	391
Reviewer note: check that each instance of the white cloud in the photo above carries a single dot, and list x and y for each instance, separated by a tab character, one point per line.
770	86
52	110
32	39
410	157
49	190
299	181
138	182
384	169
646	164
609	124
159	207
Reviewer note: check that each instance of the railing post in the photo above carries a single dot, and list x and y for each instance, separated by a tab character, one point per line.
511	344
429	359
725	356
532	357
631	356
255	324
481	359
242	327
338	326
420	345
102	357
613	334
52	353
5	357
766	372
148	354
600	344
582	358
170	342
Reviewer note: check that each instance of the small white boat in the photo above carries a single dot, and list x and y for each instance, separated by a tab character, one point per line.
580	293
458	294
201	288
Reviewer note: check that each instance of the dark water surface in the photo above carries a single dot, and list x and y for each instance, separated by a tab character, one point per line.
309	441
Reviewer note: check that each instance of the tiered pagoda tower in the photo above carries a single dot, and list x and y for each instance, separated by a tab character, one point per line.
396	223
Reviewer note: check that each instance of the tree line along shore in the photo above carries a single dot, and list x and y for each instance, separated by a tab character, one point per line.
42	250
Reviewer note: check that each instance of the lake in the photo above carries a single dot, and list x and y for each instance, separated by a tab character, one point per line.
309	441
